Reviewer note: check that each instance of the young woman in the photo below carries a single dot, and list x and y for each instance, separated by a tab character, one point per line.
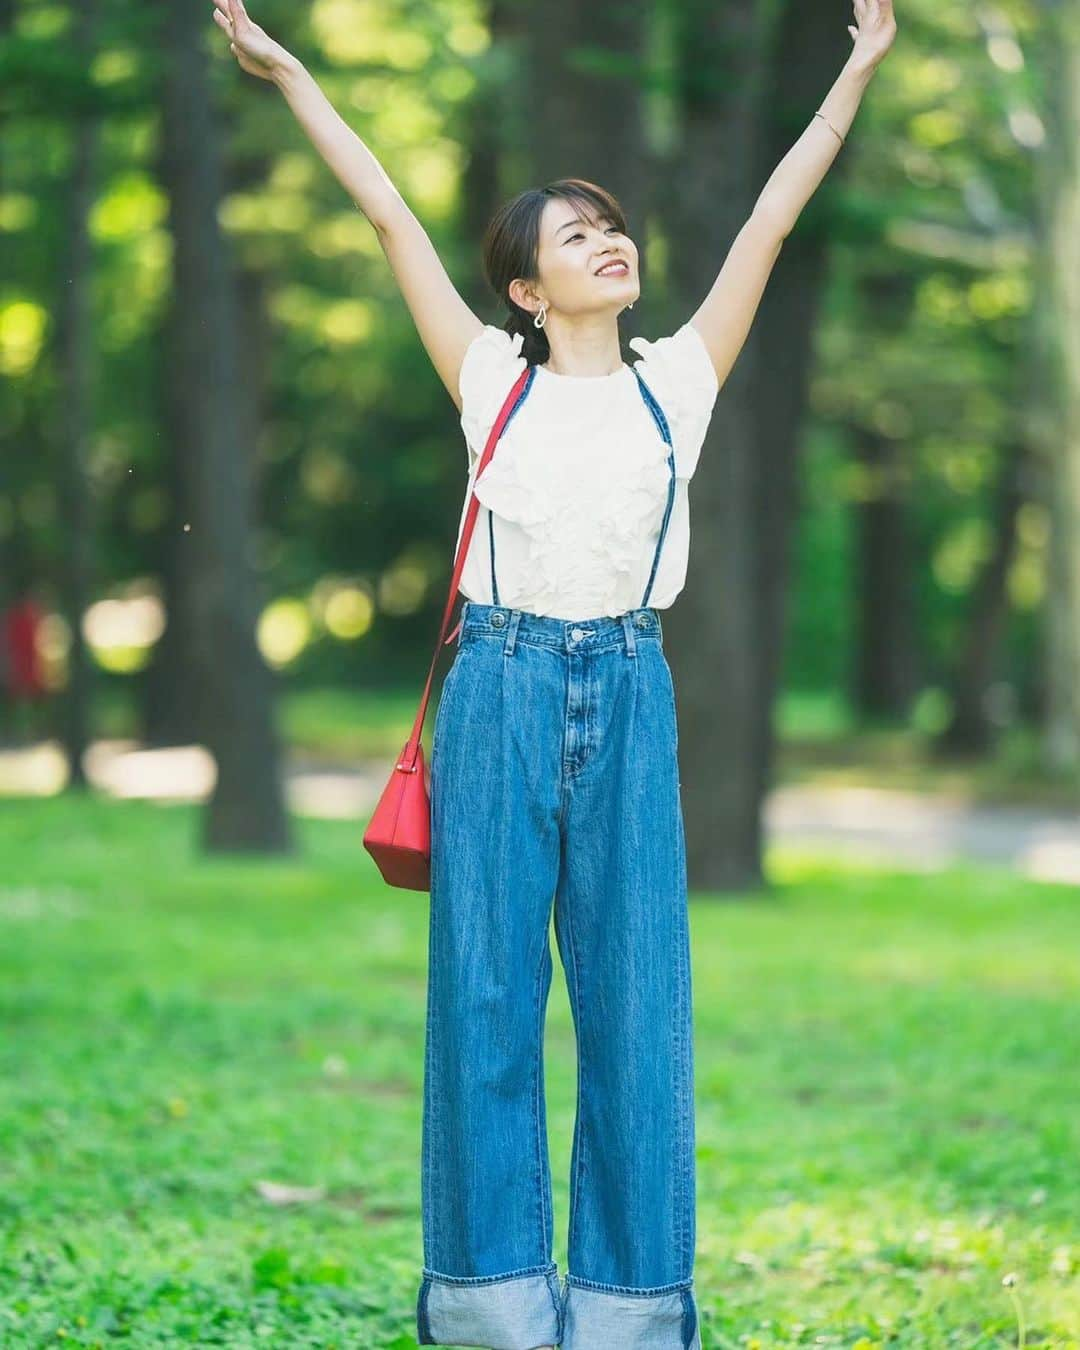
554	773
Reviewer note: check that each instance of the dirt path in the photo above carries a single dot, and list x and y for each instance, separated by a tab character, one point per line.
927	831
908	829
918	830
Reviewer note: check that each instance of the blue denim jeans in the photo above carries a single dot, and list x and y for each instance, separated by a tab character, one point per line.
555	785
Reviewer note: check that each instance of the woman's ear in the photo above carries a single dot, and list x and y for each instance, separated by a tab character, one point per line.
523	295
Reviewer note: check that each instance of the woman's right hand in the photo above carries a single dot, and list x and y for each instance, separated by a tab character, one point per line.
255	50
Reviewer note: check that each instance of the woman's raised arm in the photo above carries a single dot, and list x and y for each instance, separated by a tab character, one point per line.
444	321
727	312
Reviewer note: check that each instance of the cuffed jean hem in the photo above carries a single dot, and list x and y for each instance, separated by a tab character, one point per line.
632	1319
519	1310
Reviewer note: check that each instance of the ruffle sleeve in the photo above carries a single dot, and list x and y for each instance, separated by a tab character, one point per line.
680	373
491	364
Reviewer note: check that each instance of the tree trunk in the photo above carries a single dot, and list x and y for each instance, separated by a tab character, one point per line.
806	57
234	698
581	85
716	631
75	348
971	726
1061	207
747	92
884	675
170	681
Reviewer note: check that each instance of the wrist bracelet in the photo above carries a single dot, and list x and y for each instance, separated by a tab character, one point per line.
830	126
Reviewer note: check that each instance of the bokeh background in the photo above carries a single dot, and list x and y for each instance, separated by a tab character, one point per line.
230	482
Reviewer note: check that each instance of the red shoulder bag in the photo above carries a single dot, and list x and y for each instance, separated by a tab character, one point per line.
398	835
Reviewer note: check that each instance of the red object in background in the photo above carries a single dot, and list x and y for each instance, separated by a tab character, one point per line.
25	676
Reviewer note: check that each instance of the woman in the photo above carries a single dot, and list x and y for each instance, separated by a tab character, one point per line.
554	773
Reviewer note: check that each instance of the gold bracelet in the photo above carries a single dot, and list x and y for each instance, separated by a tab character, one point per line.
830	126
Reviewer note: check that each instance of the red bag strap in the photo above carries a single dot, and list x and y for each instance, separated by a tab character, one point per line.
408	755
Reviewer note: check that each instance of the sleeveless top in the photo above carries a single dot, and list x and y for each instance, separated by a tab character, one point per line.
580	488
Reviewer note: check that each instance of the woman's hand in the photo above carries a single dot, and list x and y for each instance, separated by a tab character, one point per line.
875	31
255	50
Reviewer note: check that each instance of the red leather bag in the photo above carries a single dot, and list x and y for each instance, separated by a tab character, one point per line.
398	835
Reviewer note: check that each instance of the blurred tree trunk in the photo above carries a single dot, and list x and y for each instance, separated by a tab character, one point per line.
716	629
234	698
747	90
9	430
807	53
581	88
1061	336
168	685
971	727
169	681
884	674
75	356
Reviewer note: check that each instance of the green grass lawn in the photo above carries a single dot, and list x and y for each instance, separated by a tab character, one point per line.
887	1119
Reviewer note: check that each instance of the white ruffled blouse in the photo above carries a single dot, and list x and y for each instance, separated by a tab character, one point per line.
578	482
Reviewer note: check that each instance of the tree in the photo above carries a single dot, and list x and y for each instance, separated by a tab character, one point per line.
1060	270
234	698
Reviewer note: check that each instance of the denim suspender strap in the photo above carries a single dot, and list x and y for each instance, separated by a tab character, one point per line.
515	397
665	431
491	521
491	553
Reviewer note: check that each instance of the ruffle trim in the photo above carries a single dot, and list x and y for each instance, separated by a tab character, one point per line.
491	364
556	519
680	373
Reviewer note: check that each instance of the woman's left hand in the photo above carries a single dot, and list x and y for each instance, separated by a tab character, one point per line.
875	32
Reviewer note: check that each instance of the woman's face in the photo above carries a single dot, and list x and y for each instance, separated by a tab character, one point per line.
572	251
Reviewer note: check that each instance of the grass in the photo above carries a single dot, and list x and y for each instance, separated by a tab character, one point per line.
886	1097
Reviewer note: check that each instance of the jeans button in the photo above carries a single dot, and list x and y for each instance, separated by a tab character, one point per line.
576	634
642	621
498	620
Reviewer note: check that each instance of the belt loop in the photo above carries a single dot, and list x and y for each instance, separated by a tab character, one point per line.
628	630
511	632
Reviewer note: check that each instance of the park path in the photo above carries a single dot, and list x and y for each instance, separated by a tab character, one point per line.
918	830
924	831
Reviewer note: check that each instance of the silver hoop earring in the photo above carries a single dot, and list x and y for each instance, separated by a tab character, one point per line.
540	318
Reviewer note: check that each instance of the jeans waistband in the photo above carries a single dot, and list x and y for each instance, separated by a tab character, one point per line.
605	632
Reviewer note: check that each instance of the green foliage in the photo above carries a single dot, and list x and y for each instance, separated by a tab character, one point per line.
922	338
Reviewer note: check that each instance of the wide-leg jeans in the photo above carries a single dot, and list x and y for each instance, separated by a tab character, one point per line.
555	783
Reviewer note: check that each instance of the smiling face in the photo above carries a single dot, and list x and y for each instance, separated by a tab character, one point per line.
574	245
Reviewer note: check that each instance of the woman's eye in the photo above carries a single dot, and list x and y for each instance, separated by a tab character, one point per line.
579	235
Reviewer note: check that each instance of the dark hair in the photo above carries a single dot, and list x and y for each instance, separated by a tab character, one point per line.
512	244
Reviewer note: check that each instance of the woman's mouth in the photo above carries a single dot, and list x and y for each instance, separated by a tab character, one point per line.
613	269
